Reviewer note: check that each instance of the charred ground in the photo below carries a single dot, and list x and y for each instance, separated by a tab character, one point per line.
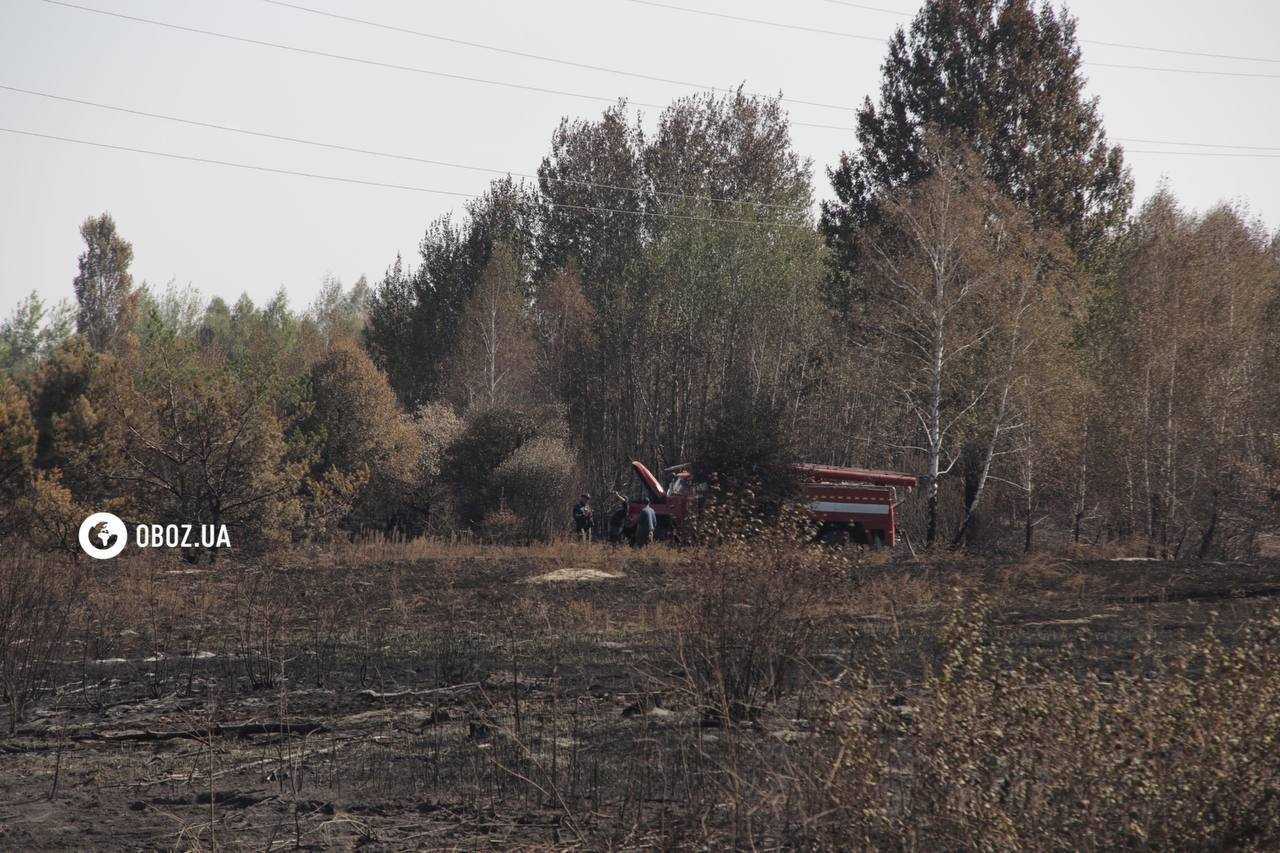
422	697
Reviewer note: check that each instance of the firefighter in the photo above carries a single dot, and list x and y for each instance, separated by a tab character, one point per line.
646	525
583	518
617	518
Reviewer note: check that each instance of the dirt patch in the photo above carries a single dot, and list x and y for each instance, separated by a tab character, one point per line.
575	574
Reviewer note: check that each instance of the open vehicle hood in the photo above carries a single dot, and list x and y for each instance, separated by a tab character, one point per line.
650	482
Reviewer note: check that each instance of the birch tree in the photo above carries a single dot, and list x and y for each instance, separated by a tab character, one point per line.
960	280
493	361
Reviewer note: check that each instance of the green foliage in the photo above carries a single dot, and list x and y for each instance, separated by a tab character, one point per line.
339	315
749	444
537	481
365	450
1003	77
414	315
661	295
103	284
204	447
31	333
490	436
169	314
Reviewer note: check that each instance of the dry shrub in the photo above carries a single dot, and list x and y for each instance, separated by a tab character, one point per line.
997	752
38	601
537	482
503	527
53	517
748	625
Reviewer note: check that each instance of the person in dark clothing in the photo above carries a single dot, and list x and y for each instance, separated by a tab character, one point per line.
646	525
618	518
583	518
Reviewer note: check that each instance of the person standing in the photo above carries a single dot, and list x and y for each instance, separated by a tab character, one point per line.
618	518
583	518
646	525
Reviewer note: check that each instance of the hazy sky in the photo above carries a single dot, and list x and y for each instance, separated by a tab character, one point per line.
228	231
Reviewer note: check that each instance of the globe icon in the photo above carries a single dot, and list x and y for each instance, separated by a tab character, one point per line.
103	535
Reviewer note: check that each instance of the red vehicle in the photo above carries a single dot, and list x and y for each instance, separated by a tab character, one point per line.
851	505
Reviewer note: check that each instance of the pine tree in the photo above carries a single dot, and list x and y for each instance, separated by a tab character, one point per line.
1004	78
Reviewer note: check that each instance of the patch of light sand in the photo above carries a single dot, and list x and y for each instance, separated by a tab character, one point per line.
574	573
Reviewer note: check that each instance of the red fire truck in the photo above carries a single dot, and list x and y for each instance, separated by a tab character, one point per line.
850	505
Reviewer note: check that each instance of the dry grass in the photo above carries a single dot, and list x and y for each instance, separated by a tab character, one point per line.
758	693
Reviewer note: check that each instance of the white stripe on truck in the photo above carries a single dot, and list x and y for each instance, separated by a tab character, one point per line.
863	509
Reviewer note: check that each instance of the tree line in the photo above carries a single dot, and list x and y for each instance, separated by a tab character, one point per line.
979	303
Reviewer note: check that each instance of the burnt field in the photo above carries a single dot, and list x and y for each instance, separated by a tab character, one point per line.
417	696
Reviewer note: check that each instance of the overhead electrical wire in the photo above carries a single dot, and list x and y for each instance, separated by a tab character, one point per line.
839	34
375	153
1170	50
374	62
386	184
1201	153
538	89
845	107
334	146
526	55
1197	144
743	19
868	8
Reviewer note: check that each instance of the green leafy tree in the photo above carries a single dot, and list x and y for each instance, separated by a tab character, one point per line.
1004	77
493	361
339	314
488	438
203	446
594	188
537	481
32	332
720	284
414	314
103	284
367	453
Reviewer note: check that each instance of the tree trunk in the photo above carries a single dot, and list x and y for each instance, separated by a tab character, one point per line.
1206	540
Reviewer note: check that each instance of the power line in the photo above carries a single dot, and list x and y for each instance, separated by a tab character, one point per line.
525	55
376	62
506	84
839	34
1193	71
383	184
326	54
1126	46
869	8
569	181
390	155
1196	144
1202	153
777	24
